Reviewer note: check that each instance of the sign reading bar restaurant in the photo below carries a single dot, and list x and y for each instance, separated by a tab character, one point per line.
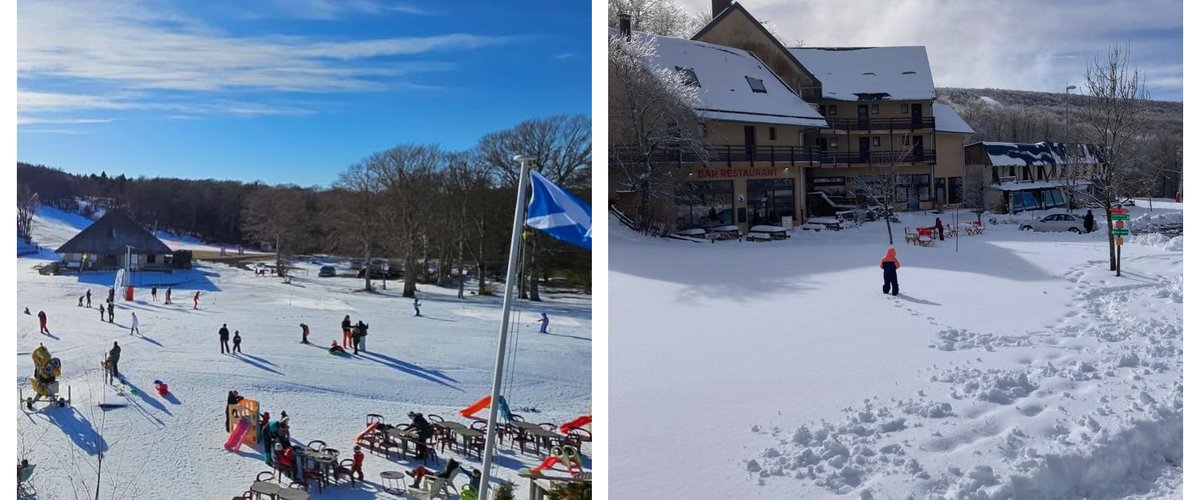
731	173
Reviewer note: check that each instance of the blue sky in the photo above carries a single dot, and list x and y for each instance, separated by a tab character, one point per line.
285	91
1010	44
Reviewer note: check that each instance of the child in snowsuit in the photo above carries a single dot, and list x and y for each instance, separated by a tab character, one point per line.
168	301
88	296
80	301
545	321
937	224
890	264
358	461
334	348
237	342
417	306
42	322
346	331
303	333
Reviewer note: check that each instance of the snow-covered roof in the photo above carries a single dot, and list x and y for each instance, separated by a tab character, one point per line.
1033	186
947	120
854	74
1004	154
724	75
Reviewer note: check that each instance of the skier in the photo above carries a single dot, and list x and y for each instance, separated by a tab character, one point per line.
196	300
303	333
42	322
545	321
346	331
223	333
1089	222
417	305
890	264
937	224
237	342
134	326
154	293
424	432
114	355
110	311
168	301
88	296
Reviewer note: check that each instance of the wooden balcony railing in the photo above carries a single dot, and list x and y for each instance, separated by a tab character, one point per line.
880	123
769	155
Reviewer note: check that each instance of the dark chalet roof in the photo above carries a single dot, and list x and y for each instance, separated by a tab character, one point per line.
110	235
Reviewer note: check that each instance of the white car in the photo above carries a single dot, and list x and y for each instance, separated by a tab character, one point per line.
1056	222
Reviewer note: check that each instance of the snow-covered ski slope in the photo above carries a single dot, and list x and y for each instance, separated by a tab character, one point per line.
1017	367
172	447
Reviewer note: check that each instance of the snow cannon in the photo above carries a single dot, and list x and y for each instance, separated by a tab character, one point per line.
46	370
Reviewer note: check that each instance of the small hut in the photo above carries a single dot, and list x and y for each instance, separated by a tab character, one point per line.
106	243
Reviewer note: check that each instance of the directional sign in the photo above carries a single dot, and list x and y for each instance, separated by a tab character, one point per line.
1120	232
1120	224
1117	216
1120	210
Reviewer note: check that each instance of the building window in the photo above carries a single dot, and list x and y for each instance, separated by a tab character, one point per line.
875	142
756	85
821	109
704	204
833	110
940	190
904	107
956	187
771	133
922	186
904	140
874	109
832	186
770	200
687	76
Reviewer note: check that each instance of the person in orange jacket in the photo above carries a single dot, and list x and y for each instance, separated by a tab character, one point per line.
890	264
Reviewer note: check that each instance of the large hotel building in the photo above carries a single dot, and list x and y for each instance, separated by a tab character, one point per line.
792	133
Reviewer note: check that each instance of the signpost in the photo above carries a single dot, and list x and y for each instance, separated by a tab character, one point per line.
1118	215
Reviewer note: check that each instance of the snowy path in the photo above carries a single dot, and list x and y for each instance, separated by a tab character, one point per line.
1018	367
171	447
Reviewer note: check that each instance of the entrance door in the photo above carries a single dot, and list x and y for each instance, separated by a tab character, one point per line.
862	117
864	149
915	109
750	143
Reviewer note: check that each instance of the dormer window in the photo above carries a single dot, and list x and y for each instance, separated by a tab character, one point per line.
756	85
687	76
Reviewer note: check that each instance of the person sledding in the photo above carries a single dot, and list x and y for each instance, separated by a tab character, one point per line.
890	264
334	348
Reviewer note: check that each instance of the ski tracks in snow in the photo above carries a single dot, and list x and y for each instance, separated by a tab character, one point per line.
1094	410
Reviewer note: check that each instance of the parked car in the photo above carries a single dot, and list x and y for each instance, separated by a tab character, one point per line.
327	272
1055	222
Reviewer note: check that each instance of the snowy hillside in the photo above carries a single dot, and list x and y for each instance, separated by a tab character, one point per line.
171	447
1017	366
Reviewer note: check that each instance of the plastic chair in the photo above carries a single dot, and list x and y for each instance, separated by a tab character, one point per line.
373	418
316	444
346	466
270	476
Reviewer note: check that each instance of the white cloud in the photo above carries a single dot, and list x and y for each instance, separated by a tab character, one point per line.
1017	44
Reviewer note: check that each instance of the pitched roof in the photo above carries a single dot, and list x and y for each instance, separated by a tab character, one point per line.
871	73
947	120
1004	154
737	7
110	234
725	91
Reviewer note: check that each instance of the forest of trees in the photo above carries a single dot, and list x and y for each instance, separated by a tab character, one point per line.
437	213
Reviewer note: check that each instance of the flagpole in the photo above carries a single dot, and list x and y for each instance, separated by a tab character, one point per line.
513	249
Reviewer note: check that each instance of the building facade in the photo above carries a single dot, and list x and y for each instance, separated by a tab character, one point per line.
1010	177
115	242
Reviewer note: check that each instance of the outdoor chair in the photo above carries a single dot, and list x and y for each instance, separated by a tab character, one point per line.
520	436
24	486
270	476
910	237
316	444
374	418
576	437
344	468
247	495
434	487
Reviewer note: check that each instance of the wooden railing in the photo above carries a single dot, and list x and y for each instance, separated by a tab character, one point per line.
768	155
880	123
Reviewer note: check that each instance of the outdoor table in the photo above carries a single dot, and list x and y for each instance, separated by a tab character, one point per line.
392	480
536	431
467	434
326	462
293	494
404	436
260	488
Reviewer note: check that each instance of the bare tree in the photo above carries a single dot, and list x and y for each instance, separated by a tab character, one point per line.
276	215
466	182
651	117
661	17
355	215
1113	118
27	205
879	187
407	176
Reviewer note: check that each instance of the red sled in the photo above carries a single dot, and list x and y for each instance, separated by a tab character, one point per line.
161	388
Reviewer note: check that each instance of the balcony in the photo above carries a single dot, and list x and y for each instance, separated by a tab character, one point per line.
880	124
804	156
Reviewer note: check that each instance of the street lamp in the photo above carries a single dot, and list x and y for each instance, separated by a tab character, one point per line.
1070	165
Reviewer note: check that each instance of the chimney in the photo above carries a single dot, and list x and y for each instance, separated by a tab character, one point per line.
719	6
625	23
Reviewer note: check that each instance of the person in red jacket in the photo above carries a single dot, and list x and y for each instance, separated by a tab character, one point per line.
358	461
890	264
285	459
42	321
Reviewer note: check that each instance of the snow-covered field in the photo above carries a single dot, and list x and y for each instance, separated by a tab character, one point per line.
172	447
1017	366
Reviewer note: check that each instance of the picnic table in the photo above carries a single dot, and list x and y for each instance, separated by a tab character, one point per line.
774	232
468	434
536	431
726	232
829	222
